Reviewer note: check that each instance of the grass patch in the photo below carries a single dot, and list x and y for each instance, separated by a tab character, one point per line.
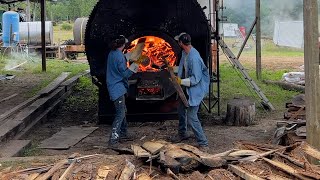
33	150
84	96
60	34
54	69
232	85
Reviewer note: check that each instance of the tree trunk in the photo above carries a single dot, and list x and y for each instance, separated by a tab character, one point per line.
240	112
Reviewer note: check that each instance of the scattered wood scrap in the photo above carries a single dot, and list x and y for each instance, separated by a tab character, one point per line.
163	160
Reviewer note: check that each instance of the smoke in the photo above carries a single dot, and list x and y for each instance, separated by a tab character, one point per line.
242	12
14	58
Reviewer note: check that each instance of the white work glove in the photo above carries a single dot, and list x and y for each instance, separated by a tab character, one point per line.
134	67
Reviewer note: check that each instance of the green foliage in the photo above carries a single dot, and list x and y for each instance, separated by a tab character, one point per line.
232	85
66	27
85	96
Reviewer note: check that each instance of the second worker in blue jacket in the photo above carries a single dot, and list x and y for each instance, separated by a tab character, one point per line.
117	75
194	78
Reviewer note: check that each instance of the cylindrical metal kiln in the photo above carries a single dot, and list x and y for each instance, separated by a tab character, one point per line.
79	29
30	33
158	21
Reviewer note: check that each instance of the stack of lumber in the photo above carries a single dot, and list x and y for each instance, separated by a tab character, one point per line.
293	128
163	160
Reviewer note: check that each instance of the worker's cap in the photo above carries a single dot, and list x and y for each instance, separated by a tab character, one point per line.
121	39
185	38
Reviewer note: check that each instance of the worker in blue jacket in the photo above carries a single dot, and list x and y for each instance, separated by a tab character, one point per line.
117	83
194	78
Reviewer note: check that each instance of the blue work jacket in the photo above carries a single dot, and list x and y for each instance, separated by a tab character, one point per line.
117	74
198	74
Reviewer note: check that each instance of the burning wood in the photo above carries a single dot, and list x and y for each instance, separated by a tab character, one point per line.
155	49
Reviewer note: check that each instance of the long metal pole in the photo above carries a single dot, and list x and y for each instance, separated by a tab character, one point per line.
218	59
311	64
43	38
258	40
210	56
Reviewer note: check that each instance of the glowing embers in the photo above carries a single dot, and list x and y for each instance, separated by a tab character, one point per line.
155	53
149	90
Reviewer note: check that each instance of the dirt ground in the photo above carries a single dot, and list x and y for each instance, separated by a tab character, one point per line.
220	137
21	84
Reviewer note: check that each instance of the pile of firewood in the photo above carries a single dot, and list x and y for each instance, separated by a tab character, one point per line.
293	128
163	160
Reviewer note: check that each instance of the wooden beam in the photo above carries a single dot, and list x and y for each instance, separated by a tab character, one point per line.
43	35
311	64
258	40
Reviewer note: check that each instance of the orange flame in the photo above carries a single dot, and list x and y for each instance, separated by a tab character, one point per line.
158	52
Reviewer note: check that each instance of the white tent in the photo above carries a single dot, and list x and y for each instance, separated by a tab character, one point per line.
229	29
289	33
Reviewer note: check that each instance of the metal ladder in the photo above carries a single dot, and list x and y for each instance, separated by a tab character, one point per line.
251	83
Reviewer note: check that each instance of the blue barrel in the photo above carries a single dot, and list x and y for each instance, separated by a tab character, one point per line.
10	28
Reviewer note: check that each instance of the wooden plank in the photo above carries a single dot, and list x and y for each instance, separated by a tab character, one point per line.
127	172
153	147
242	173
258	40
13	147
177	87
54	84
75	48
285	168
311	64
18	108
311	151
103	172
140	152
9	97
67	172
67	137
56	167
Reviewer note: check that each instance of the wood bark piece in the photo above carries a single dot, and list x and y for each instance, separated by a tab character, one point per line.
33	176
143	176
153	147
286	168
255	157
67	171
169	162
242	173
140	152
56	167
127	172
171	174
221	174
286	86
292	160
204	158
311	151
240	112
103	172
243	153
177	87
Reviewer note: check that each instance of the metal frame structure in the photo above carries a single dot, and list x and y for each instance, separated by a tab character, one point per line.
214	99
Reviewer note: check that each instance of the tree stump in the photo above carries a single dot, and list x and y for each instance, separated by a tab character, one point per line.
240	112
